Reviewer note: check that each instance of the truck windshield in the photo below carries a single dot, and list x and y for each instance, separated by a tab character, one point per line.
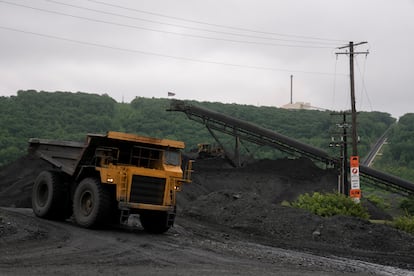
172	157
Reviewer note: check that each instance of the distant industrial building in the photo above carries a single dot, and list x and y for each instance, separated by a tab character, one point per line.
297	105
301	105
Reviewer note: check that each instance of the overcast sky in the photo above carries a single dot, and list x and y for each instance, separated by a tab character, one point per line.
231	51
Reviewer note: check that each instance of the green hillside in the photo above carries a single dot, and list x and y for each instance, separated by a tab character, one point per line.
398	153
69	116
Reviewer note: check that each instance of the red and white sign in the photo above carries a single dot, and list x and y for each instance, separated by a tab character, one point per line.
355	191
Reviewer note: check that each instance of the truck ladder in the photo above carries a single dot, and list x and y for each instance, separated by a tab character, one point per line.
123	195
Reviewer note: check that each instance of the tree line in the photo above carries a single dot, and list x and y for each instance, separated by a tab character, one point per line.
70	116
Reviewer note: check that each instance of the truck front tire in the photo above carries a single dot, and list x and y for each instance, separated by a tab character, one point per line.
91	203
49	197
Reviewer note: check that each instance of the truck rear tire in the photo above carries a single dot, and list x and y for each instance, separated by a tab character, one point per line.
154	222
91	203
50	199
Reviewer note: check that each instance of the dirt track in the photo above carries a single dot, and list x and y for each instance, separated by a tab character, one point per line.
46	248
230	222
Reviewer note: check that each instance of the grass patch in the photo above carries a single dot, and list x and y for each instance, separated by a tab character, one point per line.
405	223
379	201
407	204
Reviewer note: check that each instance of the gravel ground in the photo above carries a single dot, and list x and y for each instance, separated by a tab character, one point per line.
235	213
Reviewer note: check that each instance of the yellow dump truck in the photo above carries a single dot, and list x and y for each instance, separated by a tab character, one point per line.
108	178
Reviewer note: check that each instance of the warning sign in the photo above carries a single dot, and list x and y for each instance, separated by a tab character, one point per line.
355	191
354	162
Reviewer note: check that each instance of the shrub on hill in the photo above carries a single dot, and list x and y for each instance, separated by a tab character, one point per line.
405	223
330	204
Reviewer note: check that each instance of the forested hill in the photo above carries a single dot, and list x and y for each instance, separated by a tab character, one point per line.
70	116
398	153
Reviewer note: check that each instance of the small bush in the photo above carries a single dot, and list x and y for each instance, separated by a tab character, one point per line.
378	201
405	223
407	204
330	204
285	203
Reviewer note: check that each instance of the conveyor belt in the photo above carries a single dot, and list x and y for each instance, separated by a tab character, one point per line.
262	136
250	132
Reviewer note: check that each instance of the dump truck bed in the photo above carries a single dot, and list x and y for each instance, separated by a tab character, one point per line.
68	155
64	155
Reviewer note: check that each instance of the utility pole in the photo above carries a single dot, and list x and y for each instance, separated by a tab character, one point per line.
353	108
351	54
355	191
342	142
345	155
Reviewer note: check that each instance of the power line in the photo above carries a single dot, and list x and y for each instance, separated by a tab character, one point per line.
364	88
188	27
334	83
162	31
212	24
159	54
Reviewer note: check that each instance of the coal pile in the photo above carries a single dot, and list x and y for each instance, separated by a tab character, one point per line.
16	181
250	200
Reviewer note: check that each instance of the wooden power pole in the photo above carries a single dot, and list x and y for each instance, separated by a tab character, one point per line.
351	54
354	162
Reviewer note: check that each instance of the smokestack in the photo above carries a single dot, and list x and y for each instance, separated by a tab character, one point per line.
291	89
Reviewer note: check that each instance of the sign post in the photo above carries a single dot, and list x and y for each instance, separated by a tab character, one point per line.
355	191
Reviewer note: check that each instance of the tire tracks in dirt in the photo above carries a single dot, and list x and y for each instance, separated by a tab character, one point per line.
41	247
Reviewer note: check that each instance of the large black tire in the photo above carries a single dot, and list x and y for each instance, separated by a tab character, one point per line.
91	203
154	222
50	198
